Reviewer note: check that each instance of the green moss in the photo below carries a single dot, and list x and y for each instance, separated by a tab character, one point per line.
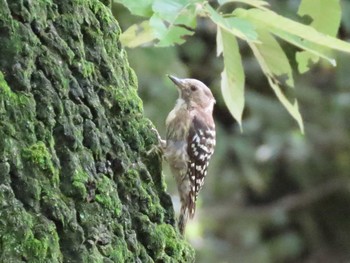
55	206
108	195
88	68
5	90
42	242
120	252
162	242
39	155
25	236
80	178
66	71
35	248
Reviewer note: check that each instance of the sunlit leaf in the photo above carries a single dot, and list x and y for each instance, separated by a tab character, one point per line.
239	27
256	3
174	35
325	18
264	53
276	22
137	35
306	45
138	7
275	58
170	9
168	36
232	78
158	26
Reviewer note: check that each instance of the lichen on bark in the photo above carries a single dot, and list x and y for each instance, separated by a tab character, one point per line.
76	184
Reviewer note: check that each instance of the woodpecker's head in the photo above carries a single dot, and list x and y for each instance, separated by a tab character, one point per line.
194	92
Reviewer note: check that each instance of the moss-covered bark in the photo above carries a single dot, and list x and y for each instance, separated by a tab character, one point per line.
75	182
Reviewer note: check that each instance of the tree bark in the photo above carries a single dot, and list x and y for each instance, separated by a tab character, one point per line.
76	184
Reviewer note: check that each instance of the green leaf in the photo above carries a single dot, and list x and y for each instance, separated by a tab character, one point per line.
168	36
270	55
158	26
306	45
174	35
137	35
170	10
325	18
172	21
138	7
256	3
275	22
276	59
232	78
239	27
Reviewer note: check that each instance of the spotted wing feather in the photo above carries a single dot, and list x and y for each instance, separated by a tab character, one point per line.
201	142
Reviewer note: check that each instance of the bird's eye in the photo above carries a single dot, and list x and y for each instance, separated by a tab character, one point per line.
193	88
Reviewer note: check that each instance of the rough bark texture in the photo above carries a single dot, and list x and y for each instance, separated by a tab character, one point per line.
75	182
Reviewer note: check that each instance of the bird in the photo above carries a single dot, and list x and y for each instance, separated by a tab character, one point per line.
190	142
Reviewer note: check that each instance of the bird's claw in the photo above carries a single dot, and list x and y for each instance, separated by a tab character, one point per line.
161	144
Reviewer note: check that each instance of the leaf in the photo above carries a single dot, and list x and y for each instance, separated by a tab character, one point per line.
325	18
170	10
174	35
172	21
256	3
311	47
137	35
168	36
232	78
276	22
276	59
239	27
268	55
138	7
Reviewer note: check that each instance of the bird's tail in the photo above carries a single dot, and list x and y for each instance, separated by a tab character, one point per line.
187	211
183	218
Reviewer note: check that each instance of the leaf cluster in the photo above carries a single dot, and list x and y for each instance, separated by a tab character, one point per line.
169	22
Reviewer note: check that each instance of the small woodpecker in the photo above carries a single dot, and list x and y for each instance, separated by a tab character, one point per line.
190	142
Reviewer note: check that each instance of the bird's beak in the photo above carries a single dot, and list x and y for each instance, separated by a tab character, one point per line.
178	82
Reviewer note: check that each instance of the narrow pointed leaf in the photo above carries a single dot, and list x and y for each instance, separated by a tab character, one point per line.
256	3
265	54
232	78
313	48
276	60
276	22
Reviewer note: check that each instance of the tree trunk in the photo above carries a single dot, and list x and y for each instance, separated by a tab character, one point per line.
76	184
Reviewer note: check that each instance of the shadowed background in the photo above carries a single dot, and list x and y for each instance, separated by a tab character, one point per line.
272	194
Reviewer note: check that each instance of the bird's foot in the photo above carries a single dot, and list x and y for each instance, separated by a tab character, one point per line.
159	148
